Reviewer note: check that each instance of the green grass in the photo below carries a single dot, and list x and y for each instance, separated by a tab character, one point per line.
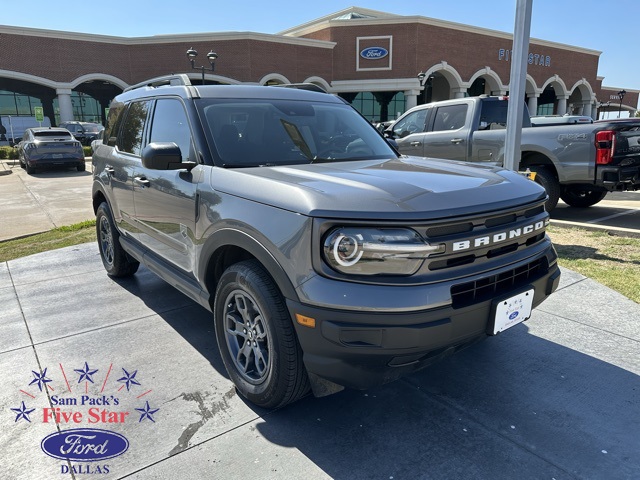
57	238
610	260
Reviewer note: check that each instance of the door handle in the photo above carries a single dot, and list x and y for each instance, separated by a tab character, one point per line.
110	170
457	140
142	181
415	144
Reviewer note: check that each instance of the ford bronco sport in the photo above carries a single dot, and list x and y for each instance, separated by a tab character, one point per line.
327	259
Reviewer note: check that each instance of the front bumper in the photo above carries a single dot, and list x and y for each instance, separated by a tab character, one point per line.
365	348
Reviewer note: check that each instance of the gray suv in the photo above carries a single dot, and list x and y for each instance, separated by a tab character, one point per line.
327	259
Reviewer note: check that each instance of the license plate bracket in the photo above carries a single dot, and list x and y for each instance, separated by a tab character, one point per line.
511	311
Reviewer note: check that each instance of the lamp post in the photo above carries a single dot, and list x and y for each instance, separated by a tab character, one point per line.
621	95
211	56
426	83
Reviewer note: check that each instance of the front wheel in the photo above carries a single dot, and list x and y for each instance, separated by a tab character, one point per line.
581	198
116	261
256	338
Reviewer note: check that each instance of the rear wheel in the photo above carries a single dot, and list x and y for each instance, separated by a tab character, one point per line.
116	261
82	167
30	170
256	338
547	179
582	198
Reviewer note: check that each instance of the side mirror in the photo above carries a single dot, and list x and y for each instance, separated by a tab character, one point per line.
164	156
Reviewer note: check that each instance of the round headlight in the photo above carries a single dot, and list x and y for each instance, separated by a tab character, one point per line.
347	249
376	251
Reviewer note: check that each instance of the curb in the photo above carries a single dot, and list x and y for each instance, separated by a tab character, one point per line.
617	231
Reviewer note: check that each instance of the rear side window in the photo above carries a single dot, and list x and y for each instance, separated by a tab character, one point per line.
114	120
130	138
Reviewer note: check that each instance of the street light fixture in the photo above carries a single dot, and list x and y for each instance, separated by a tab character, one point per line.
426	83
621	95
211	56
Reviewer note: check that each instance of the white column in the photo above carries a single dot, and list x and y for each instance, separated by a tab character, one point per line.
533	104
594	111
458	92
64	103
586	109
562	104
410	99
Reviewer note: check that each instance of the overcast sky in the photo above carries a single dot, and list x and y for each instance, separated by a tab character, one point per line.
609	26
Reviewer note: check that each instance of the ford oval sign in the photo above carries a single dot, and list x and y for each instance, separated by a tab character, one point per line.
374	53
84	444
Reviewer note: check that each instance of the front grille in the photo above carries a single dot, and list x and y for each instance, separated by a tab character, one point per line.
469	293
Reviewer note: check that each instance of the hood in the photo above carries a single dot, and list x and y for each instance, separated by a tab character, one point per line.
408	188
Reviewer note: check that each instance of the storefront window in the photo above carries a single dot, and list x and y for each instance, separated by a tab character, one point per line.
367	104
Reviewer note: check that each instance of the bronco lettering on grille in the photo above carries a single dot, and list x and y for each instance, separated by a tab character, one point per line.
499	237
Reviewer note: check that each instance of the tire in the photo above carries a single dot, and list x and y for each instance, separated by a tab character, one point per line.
581	198
82	168
116	261
30	170
264	361
547	179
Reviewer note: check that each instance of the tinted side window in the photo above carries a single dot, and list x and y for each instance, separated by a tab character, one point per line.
451	117
170	125
130	138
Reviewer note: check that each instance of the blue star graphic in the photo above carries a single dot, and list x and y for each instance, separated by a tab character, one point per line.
85	374
40	379
147	412
23	412
129	379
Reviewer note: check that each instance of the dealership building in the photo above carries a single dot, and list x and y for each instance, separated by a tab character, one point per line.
370	58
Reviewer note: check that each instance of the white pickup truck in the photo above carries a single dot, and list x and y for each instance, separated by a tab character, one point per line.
578	163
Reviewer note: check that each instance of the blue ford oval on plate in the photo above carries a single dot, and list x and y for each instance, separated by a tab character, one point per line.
84	444
373	53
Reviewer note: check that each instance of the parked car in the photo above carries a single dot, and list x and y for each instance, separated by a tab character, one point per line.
50	147
85	132
327	259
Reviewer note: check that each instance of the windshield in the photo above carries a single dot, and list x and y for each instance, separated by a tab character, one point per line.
269	132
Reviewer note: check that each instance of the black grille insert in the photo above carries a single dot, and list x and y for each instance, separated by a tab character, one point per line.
486	288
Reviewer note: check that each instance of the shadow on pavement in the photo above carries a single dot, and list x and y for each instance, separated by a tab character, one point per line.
514	406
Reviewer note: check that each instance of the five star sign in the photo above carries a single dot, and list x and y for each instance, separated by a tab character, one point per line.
146	412
23	412
86	373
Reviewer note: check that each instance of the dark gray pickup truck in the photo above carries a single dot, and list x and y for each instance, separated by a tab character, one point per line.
327	259
578	163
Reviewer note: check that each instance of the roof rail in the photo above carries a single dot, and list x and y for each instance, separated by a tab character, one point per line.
173	79
312	87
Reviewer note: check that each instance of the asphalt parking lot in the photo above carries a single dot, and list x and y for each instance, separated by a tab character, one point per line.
554	398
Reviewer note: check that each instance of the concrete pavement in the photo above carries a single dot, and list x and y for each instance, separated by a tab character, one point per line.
36	203
553	398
